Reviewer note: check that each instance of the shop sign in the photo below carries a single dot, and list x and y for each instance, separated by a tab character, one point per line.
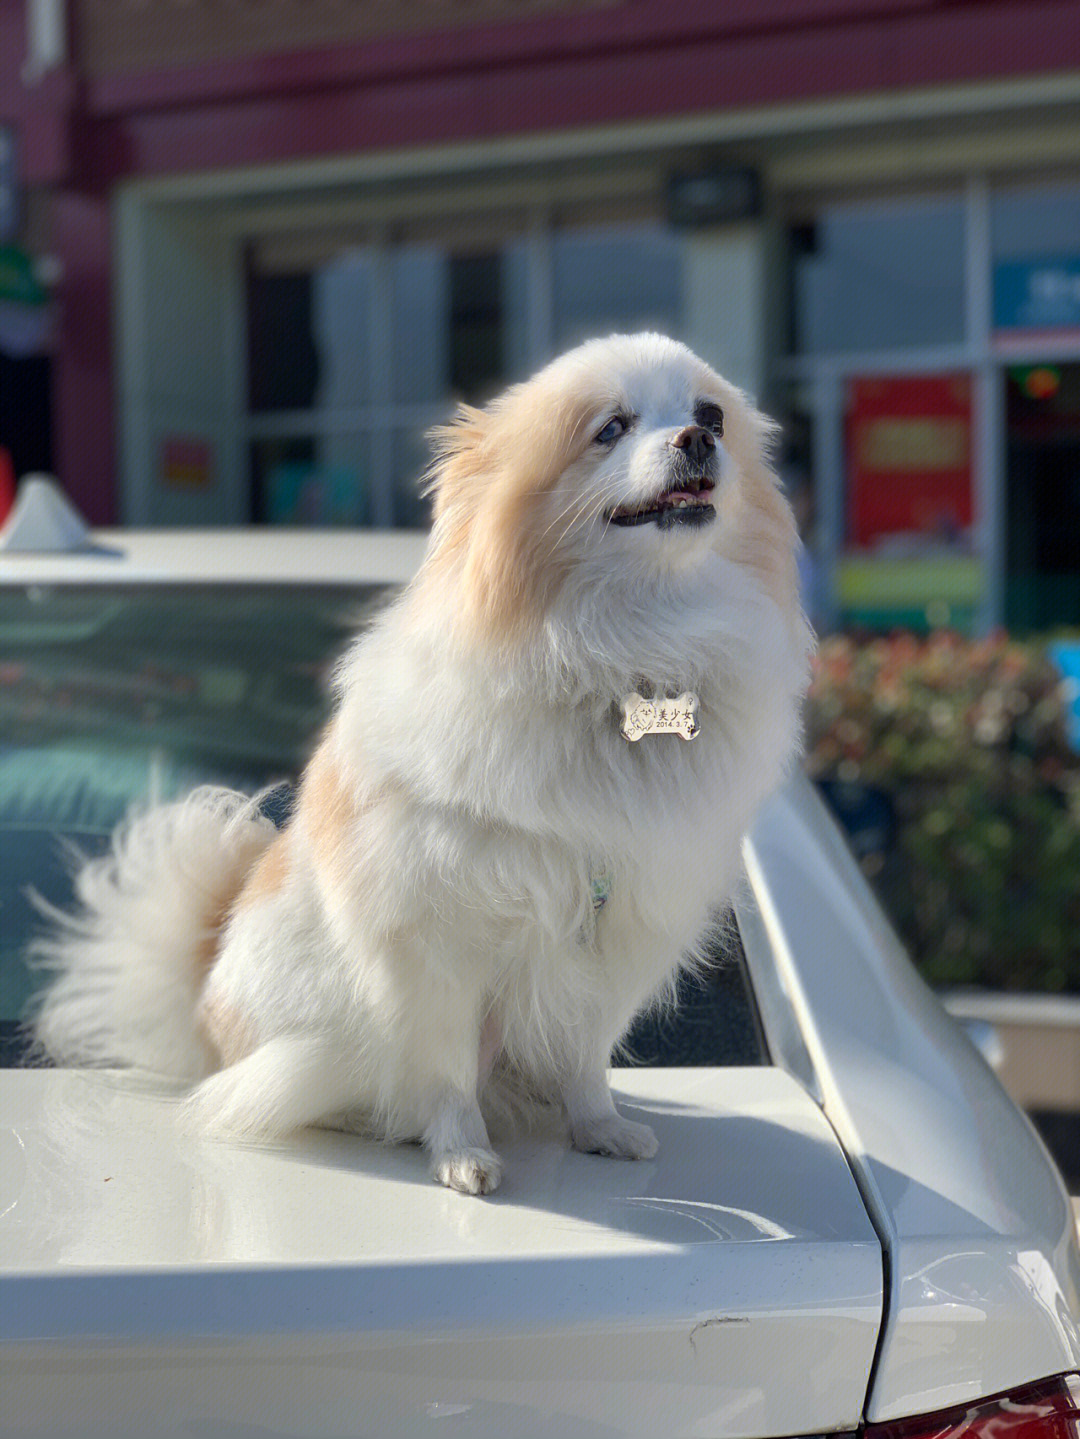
1066	655
718	196
187	463
918	593
1042	294
909	460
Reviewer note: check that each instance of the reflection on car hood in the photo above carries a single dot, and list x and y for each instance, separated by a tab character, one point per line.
730	1269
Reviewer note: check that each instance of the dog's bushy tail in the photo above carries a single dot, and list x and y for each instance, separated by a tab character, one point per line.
128	963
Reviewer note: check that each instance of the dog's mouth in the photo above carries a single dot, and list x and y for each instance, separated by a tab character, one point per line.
687	502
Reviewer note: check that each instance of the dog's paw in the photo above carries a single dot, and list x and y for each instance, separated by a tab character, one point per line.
469	1171
614	1135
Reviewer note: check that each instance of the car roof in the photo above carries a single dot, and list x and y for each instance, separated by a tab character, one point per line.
695	1270
225	556
730	1138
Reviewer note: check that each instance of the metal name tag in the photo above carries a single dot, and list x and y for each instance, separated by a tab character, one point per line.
659	716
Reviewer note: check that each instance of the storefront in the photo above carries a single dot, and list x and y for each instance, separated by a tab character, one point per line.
282	356
921	349
282	251
936	346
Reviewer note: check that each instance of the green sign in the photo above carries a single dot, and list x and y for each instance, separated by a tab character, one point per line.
17	282
919	592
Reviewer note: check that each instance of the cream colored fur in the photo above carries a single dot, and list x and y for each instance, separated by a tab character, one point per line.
422	937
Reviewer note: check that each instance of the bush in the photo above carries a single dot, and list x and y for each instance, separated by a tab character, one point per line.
968	740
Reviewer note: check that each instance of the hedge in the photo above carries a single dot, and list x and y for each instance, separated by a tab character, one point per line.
979	866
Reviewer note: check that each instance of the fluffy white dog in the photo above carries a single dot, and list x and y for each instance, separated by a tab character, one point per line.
483	880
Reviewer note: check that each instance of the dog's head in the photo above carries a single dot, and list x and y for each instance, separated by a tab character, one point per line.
627	457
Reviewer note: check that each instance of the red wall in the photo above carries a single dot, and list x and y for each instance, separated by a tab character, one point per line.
637	60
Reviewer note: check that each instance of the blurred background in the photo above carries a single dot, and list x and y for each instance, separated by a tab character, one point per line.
251	249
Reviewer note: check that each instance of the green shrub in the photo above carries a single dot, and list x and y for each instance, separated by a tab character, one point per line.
967	739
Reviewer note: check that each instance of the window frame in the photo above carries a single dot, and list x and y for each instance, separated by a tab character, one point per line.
382	422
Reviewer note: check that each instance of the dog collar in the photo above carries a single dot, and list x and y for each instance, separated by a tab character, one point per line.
668	715
600	887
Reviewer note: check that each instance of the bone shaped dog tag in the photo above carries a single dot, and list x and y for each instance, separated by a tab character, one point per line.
676	715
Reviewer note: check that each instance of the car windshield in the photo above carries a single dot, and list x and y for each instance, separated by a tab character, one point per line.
121	695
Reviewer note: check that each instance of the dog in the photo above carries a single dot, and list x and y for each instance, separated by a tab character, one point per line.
486	875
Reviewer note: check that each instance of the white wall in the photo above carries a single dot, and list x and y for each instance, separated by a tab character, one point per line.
725	310
179	326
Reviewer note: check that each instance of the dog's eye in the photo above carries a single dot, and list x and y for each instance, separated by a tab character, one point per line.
710	417
615	427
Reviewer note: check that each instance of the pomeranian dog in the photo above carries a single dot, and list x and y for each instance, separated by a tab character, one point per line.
506	843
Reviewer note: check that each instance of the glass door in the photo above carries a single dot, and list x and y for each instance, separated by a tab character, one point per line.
1042	552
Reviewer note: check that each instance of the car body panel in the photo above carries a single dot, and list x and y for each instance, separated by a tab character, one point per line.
979	1234
732	1286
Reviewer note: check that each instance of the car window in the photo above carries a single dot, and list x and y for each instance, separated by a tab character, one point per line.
715	1019
113	696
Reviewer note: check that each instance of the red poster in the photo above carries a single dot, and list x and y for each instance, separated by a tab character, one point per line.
186	463
909	458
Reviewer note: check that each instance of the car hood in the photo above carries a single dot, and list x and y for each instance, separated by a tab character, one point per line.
732	1286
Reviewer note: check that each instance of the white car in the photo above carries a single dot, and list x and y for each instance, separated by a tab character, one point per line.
849	1226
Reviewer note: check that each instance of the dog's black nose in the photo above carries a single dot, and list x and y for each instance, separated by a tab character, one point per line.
696	443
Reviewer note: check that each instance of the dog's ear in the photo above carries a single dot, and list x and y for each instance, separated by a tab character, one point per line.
762	516
491	474
486	540
455	458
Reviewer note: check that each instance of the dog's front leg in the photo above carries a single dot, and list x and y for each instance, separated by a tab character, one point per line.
457	1140
437	1078
596	1126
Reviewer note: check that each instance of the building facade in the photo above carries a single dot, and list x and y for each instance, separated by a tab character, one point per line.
286	236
